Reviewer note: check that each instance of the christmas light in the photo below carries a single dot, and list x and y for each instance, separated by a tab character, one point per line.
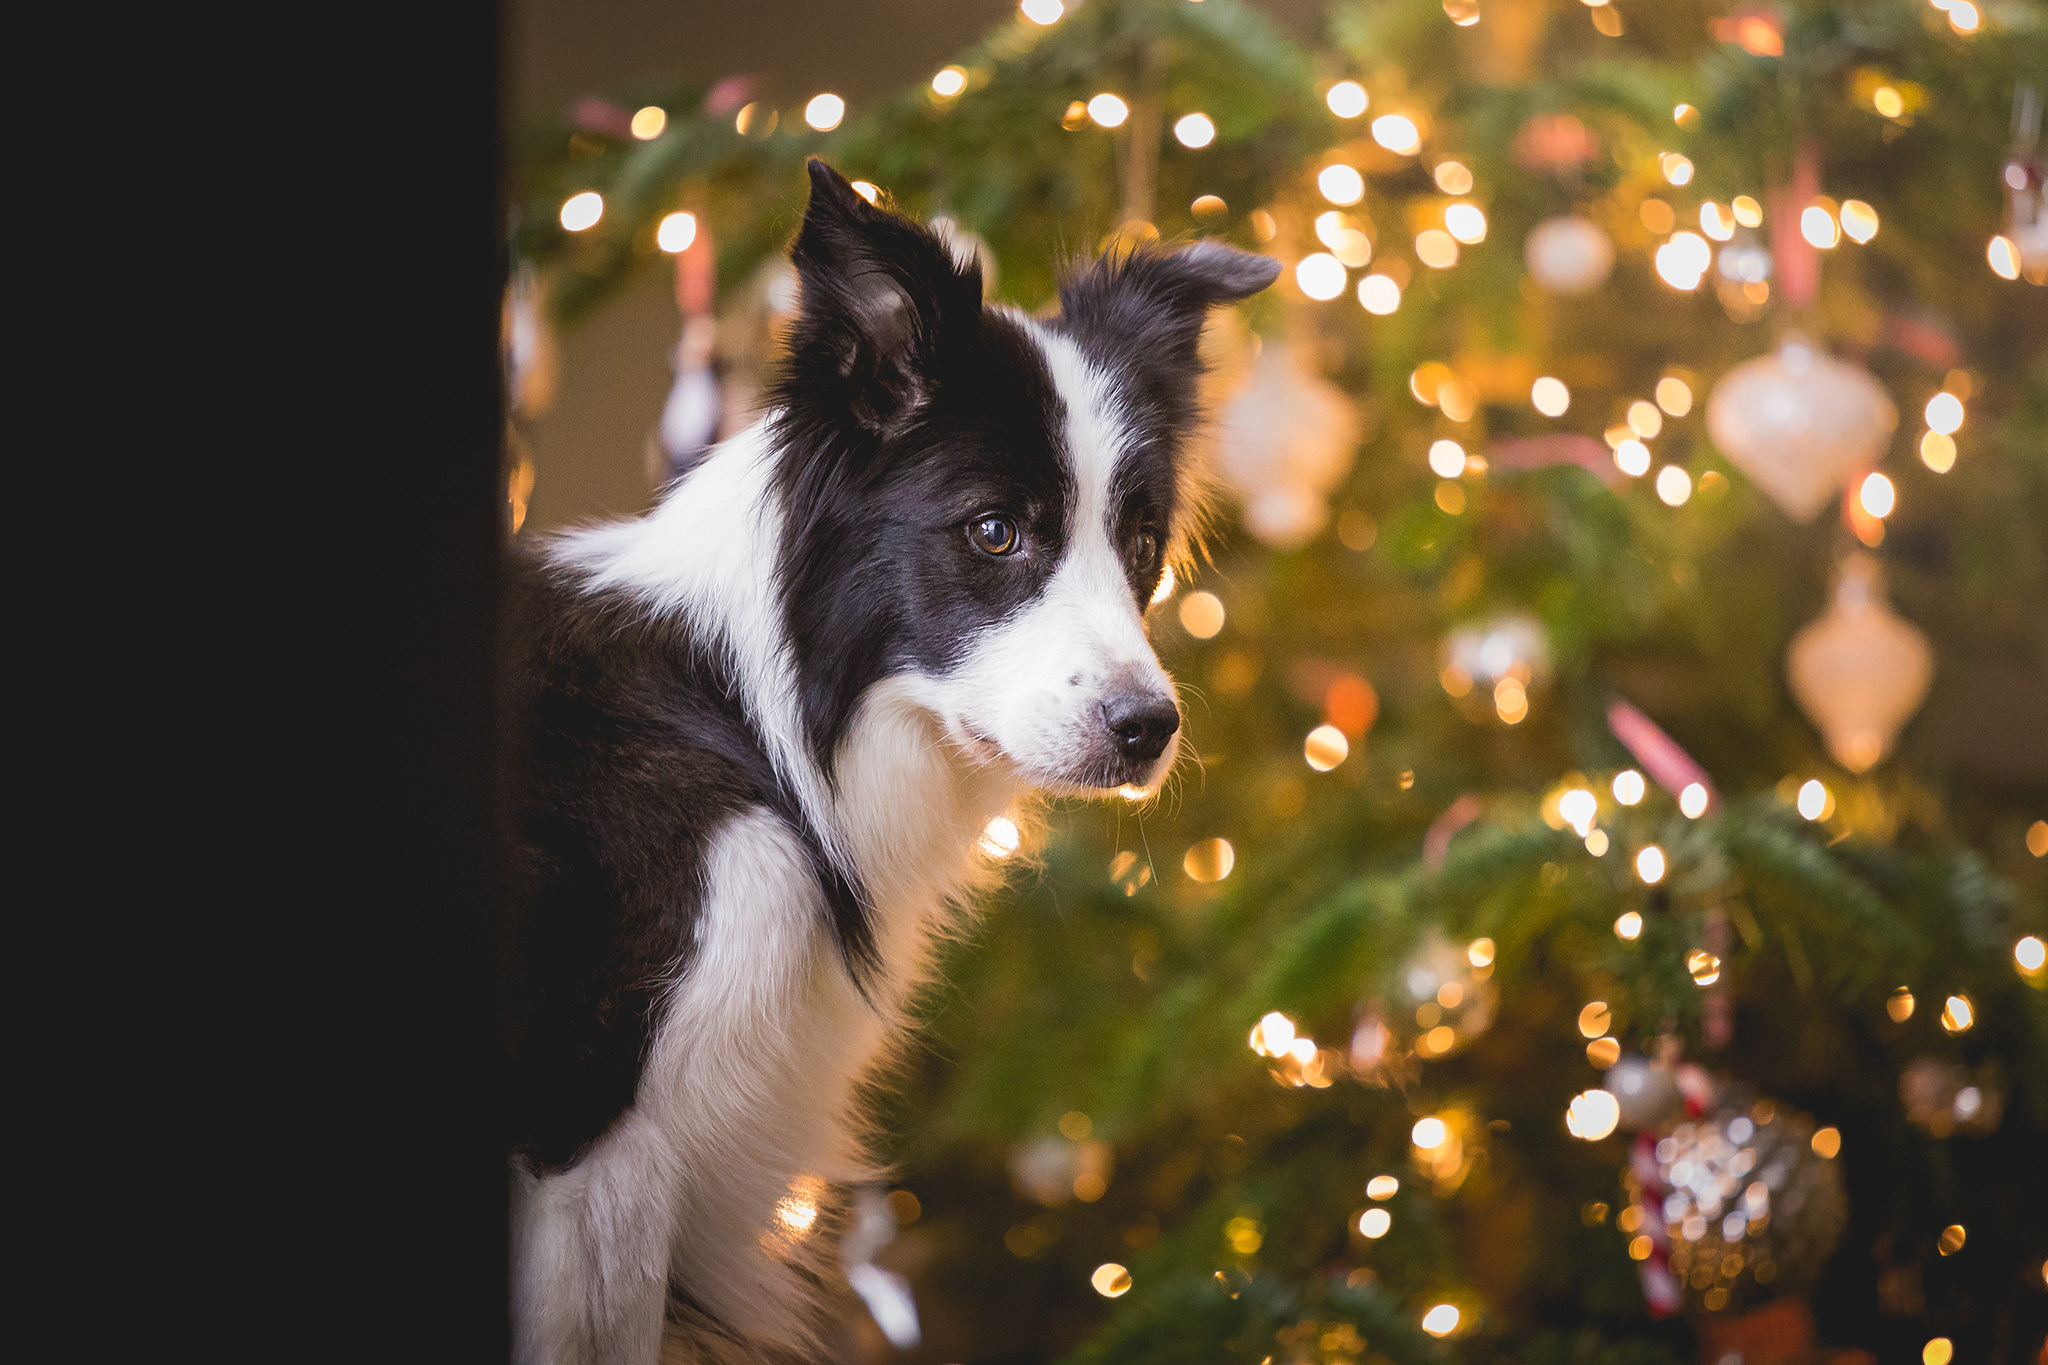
1644	419
1043	12
1107	110
1347	99
1111	1280
1952	1238
1692	802
1628	926
1704	967
1683	259
1963	17
1593	1115
1937	1351
1813	798
1273	1035
1632	457
1451	499
1452	177
1629	786
581	211
1382	1187
1201	615
1578	807
1429	1133
1859	220
1397	133
2004	257
1441	1320
1876	495
1717	222
1595	1019
1195	130
1887	101
1446	459
1818	226
2037	838
648	122
1938	451
1000	837
1958	1014
824	112
1650	864
1826	1143
1321	275
1466	223
950	81
1210	860
1341	184
1674	396
1747	211
1596	843
1945	413
1207	205
1463	13
1325	748
1899	1005
1375	1222
1436	248
2030	953
1379	295
1510	698
1479	952
1677	169
1603	1052
676	232
1684	115
1550	396
1674	487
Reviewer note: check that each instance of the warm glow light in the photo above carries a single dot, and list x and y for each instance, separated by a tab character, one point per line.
1632	457
950	81
1201	615
676	232
868	190
1674	396
1321	275
824	112
1650	864
1938	451
1207	204
1962	16
1683	259
648	122
1209	860
1813	798
2037	838
1692	802
1877	495
1446	459
1596	843
1480	952
1747	211
1674	486
1958	1014
1629	925
1441	1320
1465	222
1628	786
1273	1035
1900	1005
1375	1222
1195	130
1382	1187
1397	133
1578	807
1429	1133
1593	1115
1677	169
1938	1350
582	211
1717	222
1818	226
1644	419
1341	184
1704	966
1826	1143
1436	248
1000	837
1859	220
1595	1019
1107	110
1347	99
1550	396
1111	1280
1325	748
1379	295
2004	257
1452	177
1945	413
1952	1239
1043	11
2030	953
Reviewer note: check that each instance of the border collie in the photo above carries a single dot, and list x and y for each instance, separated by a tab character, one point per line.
763	728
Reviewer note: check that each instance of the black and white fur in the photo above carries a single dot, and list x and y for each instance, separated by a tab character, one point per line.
769	721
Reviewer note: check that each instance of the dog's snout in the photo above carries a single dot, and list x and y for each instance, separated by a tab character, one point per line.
1142	724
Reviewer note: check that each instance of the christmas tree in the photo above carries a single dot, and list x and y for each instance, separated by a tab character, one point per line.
1564	944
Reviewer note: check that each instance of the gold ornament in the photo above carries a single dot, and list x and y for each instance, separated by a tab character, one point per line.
1798	422
1859	672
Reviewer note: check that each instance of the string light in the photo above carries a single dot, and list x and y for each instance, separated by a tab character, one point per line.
1813	798
1452	177
824	112
1428	1133
1347	99
1674	395
1441	1320
1888	101
1677	169
1592	1115
1826	1143
1550	396
1650	864
1382	1187
676	232
1375	1222
1111	1280
1938	1350
1683	259
581	211
1595	1019
1210	860
1717	222
1629	786
1436	248
1952	1238
1958	1014
2030	953
1899	1005
2004	256
1397	133
1321	275
1818	226
1704	967
1644	419
1938	451
2037	838
1945	413
1463	13
1044	13
1208	204
1195	130
1379	294
950	81
1674	487
1859	220
1341	184
648	122
1479	952
1325	748
1107	110
1747	211
1578	807
1632	457
1963	17
1273	1034
1877	495
1466	223
1628	926
1201	615
1692	802
1446	459
1596	843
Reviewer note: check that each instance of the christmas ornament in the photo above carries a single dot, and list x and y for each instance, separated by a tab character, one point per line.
1798	422
1499	662
1283	442
1443	995
2026	184
1647	1091
1945	1099
1568	255
1859	672
1555	143
1739	1206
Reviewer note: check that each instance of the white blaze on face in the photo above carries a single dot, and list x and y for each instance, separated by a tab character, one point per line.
1034	685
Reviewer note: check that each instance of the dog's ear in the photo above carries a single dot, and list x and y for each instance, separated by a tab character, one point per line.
1156	301
882	297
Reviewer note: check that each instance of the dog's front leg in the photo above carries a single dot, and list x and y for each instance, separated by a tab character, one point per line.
590	1257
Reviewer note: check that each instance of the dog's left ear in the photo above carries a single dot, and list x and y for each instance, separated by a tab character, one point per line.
1156	301
882	299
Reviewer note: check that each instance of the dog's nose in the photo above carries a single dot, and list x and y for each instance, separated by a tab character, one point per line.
1142	723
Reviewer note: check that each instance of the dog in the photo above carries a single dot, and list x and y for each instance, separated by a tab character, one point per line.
763	728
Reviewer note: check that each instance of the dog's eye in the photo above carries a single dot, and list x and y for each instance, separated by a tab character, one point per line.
1144	549
995	535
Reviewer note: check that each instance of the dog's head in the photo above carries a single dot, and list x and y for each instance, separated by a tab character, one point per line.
982	503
